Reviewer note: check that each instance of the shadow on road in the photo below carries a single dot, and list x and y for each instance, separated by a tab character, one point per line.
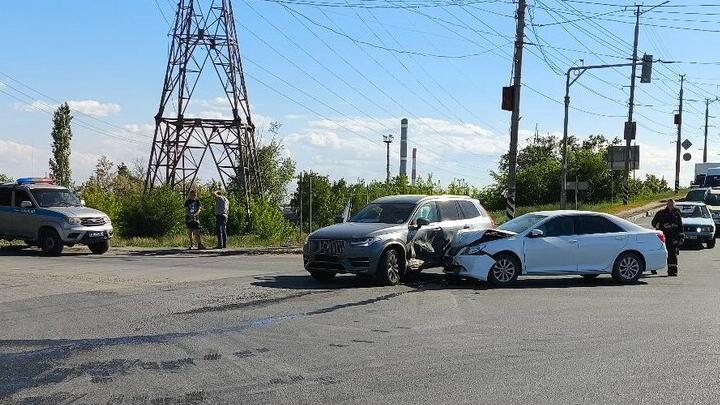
433	281
24	251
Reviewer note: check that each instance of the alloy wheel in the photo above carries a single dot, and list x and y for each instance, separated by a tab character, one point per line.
629	267
393	267
504	270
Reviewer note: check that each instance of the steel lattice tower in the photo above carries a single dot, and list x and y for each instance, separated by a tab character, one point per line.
203	34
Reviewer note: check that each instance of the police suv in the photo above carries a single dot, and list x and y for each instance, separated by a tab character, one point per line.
50	216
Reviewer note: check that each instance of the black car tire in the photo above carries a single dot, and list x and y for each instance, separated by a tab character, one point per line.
389	268
322	275
50	242
505	271
99	248
628	268
711	243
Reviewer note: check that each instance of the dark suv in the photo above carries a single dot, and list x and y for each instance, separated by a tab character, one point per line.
392	235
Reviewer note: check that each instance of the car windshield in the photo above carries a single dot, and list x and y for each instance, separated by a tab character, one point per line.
712	199
55	197
693	211
712	181
522	223
695	195
384	213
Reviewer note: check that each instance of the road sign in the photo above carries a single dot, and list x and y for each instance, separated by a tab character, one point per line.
687	157
616	157
686	144
581	185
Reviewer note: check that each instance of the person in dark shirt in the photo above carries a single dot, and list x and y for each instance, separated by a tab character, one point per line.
192	220
669	221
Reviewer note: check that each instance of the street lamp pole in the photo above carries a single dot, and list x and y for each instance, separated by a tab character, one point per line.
568	83
388	140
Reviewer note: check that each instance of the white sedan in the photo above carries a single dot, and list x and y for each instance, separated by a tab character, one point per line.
558	243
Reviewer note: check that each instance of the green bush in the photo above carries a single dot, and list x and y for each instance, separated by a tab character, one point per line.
159	212
107	202
268	223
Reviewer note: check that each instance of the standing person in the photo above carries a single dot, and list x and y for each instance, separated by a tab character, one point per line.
222	206
192	219
669	221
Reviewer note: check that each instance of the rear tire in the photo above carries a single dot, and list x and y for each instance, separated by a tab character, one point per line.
711	243
389	269
628	268
50	242
322	275
99	248
505	271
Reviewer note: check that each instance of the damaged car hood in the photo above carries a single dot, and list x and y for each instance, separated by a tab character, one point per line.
473	237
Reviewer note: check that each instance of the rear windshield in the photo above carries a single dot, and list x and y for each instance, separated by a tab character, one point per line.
696	195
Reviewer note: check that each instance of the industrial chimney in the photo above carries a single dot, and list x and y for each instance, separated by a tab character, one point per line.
414	166
403	147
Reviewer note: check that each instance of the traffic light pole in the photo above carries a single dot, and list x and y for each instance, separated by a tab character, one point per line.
568	83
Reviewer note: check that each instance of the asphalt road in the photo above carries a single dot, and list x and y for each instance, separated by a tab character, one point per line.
157	329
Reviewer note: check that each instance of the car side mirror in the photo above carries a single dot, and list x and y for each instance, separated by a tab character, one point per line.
536	233
339	219
420	222
26	204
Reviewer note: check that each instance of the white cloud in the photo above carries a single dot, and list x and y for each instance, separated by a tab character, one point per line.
94	108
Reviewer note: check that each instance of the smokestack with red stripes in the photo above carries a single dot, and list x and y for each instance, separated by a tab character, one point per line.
414	166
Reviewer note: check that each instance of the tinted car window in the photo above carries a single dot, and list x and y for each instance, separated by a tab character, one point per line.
560	226
712	199
428	211
469	209
384	213
695	195
5	197
20	196
449	210
590	224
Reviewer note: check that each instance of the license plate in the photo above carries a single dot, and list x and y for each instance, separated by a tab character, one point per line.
96	234
692	237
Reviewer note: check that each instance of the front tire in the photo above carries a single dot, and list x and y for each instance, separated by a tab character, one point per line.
50	243
322	275
711	243
628	268
505	271
389	268
99	248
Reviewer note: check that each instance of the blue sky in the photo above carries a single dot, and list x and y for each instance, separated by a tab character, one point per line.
321	72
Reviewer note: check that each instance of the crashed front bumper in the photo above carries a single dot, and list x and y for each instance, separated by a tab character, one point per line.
471	266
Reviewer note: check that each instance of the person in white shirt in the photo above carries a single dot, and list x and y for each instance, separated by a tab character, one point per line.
222	206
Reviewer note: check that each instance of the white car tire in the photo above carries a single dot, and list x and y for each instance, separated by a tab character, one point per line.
505	271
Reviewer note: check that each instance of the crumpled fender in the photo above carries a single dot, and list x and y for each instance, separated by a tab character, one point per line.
474	266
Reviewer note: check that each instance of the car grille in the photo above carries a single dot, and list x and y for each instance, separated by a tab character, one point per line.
326	246
703	228
92	221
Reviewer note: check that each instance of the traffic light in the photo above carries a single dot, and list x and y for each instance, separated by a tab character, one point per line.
646	74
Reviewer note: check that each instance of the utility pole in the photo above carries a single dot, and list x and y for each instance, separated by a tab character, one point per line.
679	136
301	203
707	113
388	140
310	219
515	117
630	125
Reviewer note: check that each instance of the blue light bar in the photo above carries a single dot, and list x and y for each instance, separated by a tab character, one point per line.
33	180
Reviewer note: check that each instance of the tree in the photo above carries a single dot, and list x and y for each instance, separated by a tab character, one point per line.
4	178
276	170
62	135
104	175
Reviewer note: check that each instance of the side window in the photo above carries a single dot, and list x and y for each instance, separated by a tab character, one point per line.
5	197
449	210
592	224
20	196
560	226
469	209
428	211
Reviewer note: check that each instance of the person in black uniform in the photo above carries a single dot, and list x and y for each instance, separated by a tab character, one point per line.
669	221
